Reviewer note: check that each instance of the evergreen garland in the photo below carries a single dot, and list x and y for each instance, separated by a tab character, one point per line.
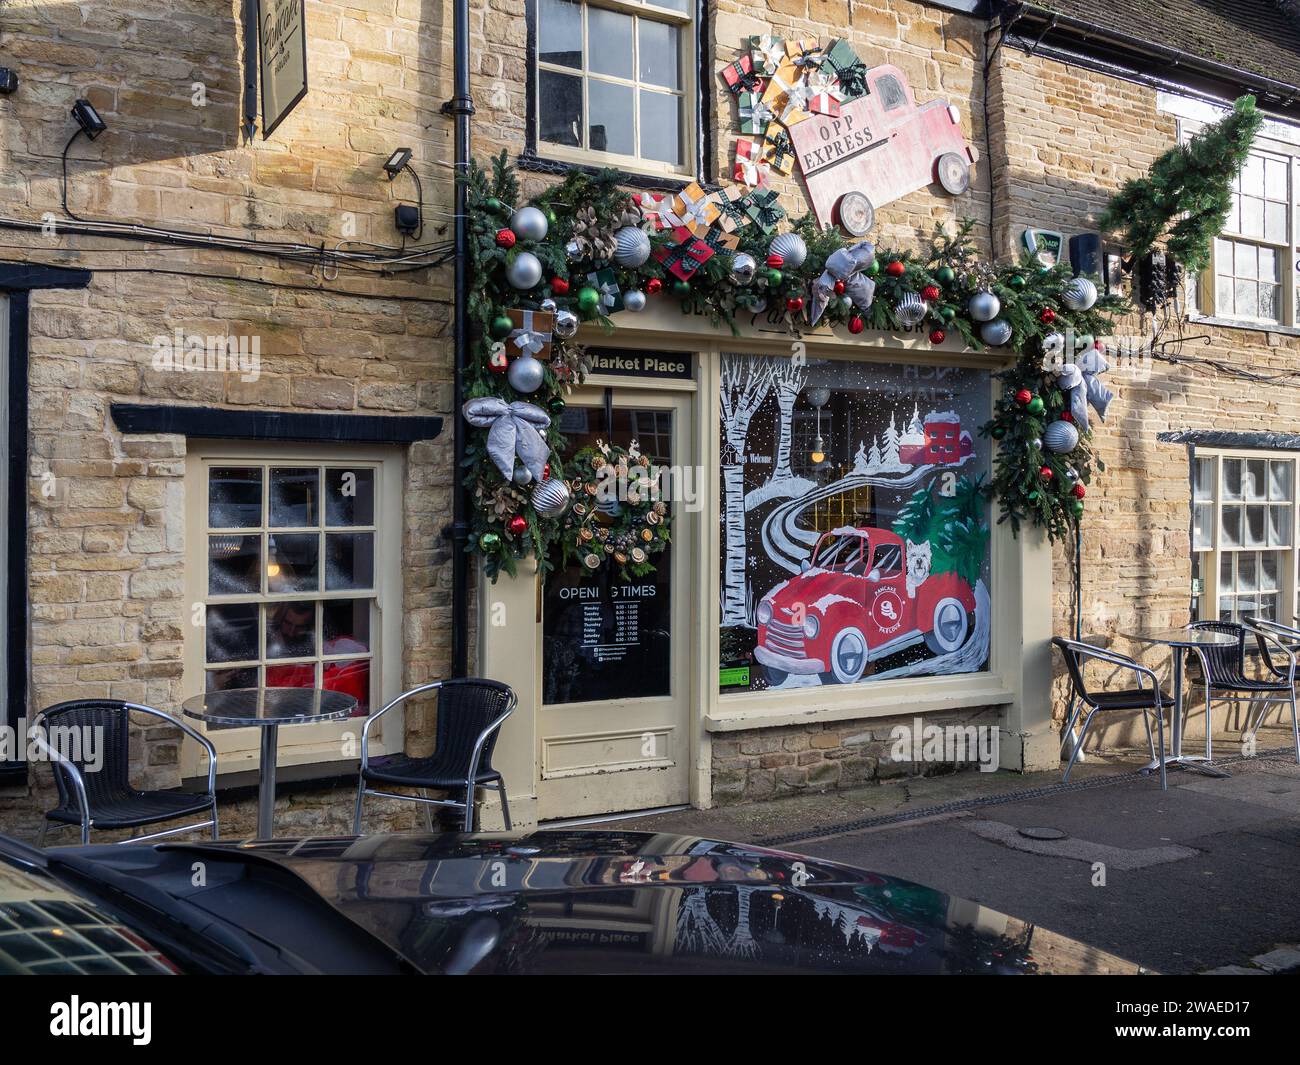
1192	183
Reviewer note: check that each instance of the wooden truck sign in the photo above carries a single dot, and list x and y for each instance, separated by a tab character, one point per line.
879	147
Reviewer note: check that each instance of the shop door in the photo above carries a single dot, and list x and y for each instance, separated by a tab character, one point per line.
612	734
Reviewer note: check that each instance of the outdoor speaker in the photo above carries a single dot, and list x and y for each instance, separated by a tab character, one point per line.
1085	254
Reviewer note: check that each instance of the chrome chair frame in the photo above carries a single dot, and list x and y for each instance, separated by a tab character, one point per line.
499	786
1079	698
1275	633
73	775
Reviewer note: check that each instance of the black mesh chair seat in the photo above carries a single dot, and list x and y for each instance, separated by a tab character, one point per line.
431	772
136	809
1127	699
97	791
471	711
1228	681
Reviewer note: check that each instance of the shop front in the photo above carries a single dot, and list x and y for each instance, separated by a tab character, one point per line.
834	566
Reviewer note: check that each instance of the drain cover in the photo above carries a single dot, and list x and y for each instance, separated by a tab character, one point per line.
1042	833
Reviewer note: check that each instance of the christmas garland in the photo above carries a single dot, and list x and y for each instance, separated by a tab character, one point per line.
585	250
617	516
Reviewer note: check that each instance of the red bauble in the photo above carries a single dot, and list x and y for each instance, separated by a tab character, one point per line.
856	324
1048	316
794	304
840	286
1100	345
1024	396
498	362
546	472
559	286
937	336
1066	416
896	269
654	286
517	525
1079	491
930	293
505	238
776	261
1046	473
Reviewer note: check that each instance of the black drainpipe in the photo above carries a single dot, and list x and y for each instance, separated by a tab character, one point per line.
461	107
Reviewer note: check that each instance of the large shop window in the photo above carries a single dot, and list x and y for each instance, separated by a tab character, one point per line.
854	541
1244	535
294	568
613	80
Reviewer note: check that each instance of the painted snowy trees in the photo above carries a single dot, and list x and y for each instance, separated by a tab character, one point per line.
744	384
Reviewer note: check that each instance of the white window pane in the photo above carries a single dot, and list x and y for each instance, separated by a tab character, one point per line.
610	36
1252	216
1279	526
1223	301
559	108
1268	265
1233	224
1256	520
1226	583
1202	525
610	128
1203	479
1223	255
559	33
1279	480
1246	261
1231	522
661	136
1269	565
1252	175
660	46
1275	222
1256	486
1247	573
1232	472
1270	302
1225	608
1246	299
1276	185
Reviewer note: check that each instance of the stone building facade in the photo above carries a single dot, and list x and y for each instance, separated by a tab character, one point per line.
115	496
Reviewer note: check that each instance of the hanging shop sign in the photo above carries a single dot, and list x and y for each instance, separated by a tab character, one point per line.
282	30
621	362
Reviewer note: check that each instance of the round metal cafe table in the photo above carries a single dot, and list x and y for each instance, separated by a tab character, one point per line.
1180	641
268	709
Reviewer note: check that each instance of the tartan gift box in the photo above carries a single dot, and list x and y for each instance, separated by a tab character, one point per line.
720	240
755	113
763	210
778	152
787	93
531	334
693	208
657	210
685	255
604	282
767	53
750	167
804	51
842	61
731	203
741	76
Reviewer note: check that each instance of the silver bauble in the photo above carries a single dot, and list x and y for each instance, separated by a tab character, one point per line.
529	224
984	306
757	305
566	325
742	268
634	300
526	374
995	333
1061	437
910	310
631	247
548	305
1037	443
525	271
1080	294
522	476
791	248
550	498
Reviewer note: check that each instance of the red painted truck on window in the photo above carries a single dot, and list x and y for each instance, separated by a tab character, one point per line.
879	147
857	600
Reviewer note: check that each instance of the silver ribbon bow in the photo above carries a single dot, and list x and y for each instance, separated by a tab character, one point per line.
757	113
528	340
1082	382
845	264
513	429
609	292
696	210
767	54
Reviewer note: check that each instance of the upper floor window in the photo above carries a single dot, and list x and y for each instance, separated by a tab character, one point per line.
891	93
613	82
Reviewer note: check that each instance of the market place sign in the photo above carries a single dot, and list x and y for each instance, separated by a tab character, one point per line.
282	32
618	362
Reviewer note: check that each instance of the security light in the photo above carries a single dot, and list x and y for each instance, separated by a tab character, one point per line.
8	81
88	119
397	162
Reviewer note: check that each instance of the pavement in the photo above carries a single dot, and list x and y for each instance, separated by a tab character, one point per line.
1203	877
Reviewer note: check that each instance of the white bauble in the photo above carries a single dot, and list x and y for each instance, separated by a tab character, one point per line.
634	300
524	271
995	333
1061	437
631	247
529	224
910	310
551	497
526	374
791	248
1080	294
984	306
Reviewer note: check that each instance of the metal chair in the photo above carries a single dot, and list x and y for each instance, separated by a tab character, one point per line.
103	797
1227	681
1077	655
471	712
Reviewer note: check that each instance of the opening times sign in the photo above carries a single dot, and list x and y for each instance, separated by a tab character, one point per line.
282	33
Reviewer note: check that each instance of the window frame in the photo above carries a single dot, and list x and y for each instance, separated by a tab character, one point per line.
238	749
691	80
1205	601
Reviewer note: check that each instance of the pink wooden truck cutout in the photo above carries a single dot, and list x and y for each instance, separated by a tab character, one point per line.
878	148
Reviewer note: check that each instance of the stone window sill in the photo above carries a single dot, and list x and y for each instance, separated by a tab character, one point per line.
1234	323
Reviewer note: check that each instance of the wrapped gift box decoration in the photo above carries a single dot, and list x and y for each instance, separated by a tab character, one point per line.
755	113
763	209
842	61
741	76
766	53
804	51
778	152
685	255
732	203
693	208
611	297
657	210
531	335
750	168
787	94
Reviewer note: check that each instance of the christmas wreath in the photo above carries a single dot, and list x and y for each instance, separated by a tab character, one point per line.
617	518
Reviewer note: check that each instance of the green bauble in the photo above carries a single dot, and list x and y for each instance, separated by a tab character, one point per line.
681	289
774	277
1035	405
873	267
1078	508
502	326
998	432
550	217
846	305
1017	281
945	275
489	541
948	313
1033	496
493	205
588	300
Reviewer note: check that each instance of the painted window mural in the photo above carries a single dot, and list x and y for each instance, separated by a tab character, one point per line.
854	529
